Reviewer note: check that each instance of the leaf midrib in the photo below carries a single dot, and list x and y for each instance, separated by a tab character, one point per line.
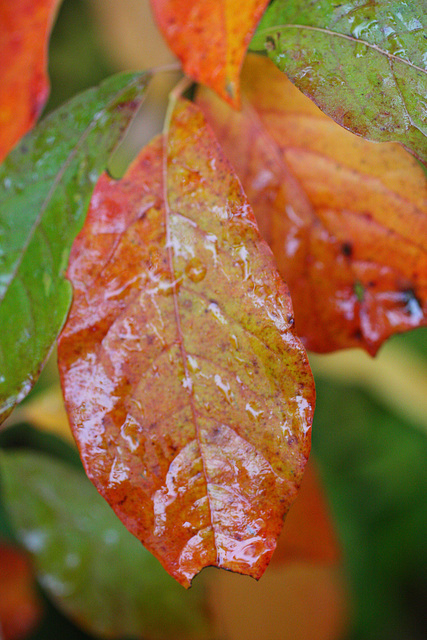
44	207
269	30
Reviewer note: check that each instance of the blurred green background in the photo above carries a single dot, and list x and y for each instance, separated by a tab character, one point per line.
369	433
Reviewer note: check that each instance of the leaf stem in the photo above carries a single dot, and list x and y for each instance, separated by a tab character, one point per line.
166	68
180	88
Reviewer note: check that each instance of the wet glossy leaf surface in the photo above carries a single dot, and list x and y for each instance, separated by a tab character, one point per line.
210	37
45	188
24	32
346	218
189	394
94	569
363	63
20	608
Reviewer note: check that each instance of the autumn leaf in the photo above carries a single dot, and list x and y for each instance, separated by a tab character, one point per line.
189	395
20	607
308	535
96	572
45	187
210	38
346	218
363	63
24	31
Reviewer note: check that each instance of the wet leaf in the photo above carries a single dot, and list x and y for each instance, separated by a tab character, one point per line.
94	569
188	392
210	38
346	218
45	188
363	63
20	608
24	31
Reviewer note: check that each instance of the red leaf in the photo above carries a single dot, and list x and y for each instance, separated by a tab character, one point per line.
24	31
308	534
189	395
346	218
20	609
210	37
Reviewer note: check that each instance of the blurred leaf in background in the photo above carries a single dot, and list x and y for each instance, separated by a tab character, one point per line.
373	463
371	457
86	560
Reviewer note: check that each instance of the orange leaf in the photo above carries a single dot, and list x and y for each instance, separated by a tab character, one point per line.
24	31
210	37
20	609
345	218
308	534
189	395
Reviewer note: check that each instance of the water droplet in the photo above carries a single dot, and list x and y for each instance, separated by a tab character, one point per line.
195	270
359	29
35	541
360	50
254	410
395	45
187	383
214	308
129	433
243	262
72	560
193	365
234	341
225	388
413	306
166	287
111	536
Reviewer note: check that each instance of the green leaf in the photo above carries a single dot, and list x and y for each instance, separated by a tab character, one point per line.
95	570
373	466
45	188
363	63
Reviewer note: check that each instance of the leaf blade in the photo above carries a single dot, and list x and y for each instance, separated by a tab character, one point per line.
81	551
24	87
346	218
186	425
210	38
363	65
46	185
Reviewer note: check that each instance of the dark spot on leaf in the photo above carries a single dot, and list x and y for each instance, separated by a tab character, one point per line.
270	45
347	249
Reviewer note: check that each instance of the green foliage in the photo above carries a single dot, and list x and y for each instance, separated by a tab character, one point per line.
363	63
47	182
373	466
88	562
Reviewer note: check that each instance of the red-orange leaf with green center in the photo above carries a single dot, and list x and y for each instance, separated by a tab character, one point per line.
24	32
210	37
189	395
346	218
